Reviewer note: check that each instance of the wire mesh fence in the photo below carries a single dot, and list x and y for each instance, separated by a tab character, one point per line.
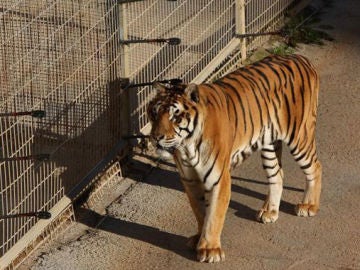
65	59
204	27
57	57
263	16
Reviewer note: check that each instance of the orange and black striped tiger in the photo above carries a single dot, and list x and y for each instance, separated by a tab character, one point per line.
209	128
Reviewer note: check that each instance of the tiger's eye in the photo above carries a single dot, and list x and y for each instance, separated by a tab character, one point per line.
178	120
153	111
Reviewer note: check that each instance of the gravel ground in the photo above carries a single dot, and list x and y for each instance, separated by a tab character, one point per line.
146	227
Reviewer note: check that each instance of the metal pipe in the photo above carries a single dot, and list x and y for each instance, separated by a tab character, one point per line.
38	157
170	81
135	136
35	113
170	41
39	215
259	34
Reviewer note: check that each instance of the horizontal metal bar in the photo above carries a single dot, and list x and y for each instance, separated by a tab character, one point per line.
170	41
130	1
35	113
127	1
170	81
135	136
39	215
259	34
38	157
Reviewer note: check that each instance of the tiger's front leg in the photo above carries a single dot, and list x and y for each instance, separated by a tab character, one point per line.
216	205
195	192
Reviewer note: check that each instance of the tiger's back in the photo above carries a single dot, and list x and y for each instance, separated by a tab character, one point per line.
273	99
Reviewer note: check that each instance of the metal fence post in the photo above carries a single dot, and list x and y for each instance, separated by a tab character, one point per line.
240	25
125	98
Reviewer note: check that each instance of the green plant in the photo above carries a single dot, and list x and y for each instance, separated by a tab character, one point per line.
305	28
282	49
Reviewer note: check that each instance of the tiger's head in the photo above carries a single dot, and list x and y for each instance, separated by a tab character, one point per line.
174	115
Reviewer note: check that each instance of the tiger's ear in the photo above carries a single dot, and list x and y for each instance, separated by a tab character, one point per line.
159	87
192	92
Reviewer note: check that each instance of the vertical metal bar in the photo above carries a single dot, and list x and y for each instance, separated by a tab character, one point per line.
125	99
240	27
123	20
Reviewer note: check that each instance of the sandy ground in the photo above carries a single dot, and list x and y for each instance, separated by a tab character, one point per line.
146	227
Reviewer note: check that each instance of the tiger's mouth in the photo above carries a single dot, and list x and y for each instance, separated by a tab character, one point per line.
166	151
170	149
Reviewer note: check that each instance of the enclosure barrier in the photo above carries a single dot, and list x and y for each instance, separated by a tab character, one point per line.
63	106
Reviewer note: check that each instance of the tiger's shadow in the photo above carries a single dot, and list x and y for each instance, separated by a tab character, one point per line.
169	178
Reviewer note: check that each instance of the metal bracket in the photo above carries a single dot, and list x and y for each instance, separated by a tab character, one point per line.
38	157
280	32
127	1
34	113
125	83
135	136
170	41
130	1
39	215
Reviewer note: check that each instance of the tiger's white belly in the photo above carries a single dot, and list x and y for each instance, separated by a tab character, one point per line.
195	164
243	152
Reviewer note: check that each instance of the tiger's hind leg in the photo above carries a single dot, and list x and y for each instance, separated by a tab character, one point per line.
271	159
310	165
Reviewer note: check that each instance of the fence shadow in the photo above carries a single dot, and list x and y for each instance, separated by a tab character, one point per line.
79	135
145	173
165	240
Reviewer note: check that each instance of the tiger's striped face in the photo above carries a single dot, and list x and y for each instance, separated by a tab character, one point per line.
173	114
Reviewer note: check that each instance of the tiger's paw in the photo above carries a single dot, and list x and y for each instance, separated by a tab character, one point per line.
193	241
266	216
210	255
306	210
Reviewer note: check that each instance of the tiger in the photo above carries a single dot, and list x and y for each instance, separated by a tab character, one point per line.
209	128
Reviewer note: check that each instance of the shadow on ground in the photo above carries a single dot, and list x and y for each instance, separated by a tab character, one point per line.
165	240
168	178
